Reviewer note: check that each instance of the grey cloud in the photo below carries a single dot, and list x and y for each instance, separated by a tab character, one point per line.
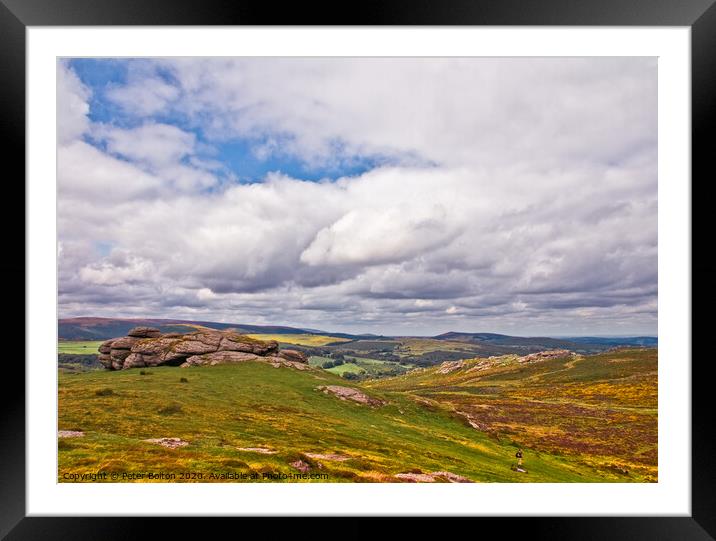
537	212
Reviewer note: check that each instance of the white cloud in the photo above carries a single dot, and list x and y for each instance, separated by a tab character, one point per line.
451	111
538	207
72	106
144	97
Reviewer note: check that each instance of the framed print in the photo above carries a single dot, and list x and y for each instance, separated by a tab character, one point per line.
426	262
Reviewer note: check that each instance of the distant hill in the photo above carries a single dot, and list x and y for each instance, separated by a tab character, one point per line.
642	341
100	328
579	343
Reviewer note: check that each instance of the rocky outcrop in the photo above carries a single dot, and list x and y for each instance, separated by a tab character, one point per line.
450	366
348	393
171	443
544	355
436	476
145	346
70	434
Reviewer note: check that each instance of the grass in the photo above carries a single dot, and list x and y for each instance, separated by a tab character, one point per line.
253	405
317	361
78	347
316	340
346	368
600	410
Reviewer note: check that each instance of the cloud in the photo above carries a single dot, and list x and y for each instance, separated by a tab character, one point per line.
72	106
145	93
450	111
529	204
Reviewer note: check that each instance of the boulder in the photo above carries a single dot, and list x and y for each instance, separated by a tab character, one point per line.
293	355
220	357
134	360
106	346
238	342
145	346
348	393
119	353
105	360
126	342
144	332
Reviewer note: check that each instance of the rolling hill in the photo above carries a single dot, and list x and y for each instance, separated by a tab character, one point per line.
600	410
246	421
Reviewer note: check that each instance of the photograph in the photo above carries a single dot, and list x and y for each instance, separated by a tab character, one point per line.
306	269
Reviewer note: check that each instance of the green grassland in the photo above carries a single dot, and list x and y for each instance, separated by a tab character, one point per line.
600	410
362	366
77	347
254	405
299	339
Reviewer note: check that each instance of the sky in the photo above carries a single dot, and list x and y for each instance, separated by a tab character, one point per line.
403	196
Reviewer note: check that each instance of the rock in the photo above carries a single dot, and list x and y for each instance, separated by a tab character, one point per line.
171	443
262	450
119	353
331	456
106	346
474	423
451	477
221	357
293	355
146	346
278	362
126	342
105	360
193	347
542	355
301	466
70	434
440	476
144	332
450	366
237	342
348	393
415	477
134	360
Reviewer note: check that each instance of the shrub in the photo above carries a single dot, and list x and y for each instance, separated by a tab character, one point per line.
144	373
183	380
338	362
104	392
328	364
170	410
350	375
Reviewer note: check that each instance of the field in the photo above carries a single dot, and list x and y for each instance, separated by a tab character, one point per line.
76	347
600	410
221	409
299	339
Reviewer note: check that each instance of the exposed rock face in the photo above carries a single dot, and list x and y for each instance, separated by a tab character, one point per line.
70	434
171	443
439	476
330	456
261	450
144	332
347	393
145	346
292	355
450	366
541	355
301	466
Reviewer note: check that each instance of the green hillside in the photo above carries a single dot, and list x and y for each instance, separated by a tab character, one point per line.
223	409
600	410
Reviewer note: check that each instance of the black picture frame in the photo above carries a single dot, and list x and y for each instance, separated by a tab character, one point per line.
699	15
